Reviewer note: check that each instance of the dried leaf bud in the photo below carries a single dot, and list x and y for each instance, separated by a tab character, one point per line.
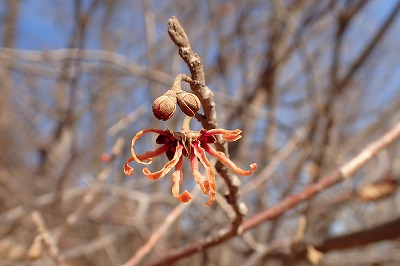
188	102
164	106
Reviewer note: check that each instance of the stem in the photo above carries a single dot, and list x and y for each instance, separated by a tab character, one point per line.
186	123
176	86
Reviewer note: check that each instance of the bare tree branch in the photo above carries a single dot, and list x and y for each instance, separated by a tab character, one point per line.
206	96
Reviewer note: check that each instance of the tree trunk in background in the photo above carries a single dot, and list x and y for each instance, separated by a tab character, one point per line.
9	19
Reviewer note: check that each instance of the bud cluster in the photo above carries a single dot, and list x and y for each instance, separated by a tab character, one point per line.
164	106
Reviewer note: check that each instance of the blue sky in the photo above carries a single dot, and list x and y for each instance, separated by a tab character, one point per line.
39	26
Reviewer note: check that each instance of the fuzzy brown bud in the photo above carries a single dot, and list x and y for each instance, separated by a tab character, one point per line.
188	102
164	106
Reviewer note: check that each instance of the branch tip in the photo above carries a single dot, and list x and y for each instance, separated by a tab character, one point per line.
177	33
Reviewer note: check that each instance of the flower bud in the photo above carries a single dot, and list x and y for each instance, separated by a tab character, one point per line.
188	102
164	106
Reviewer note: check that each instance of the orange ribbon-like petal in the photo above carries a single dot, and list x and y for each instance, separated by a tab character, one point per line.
203	183
177	178
147	155
128	170
199	152
226	161
229	135
167	167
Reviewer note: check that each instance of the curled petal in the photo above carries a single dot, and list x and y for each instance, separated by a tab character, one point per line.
167	167
177	178
229	135
127	169
185	196
146	155
223	159
203	183
150	154
199	153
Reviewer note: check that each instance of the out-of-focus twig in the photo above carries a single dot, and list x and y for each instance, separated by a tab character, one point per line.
273	165
85	54
157	234
122	123
90	195
346	171
47	237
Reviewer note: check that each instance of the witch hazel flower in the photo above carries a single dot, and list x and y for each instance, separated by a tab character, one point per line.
191	144
185	143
